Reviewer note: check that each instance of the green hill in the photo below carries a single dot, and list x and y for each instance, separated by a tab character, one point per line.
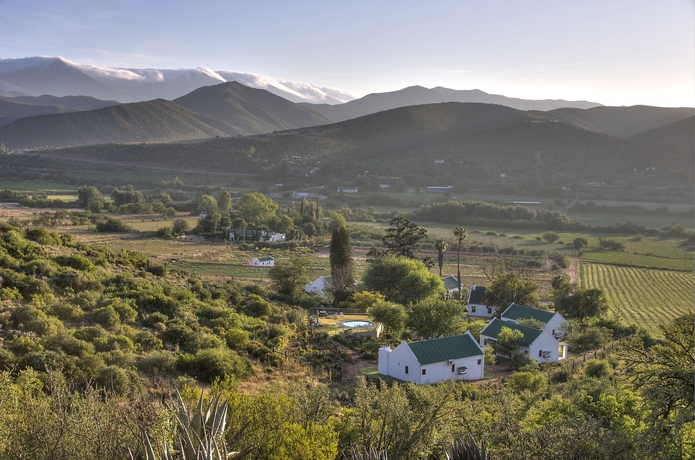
252	111
153	121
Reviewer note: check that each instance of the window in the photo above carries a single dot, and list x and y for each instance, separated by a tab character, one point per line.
489	310
453	367
480	361
424	371
472	308
540	353
406	369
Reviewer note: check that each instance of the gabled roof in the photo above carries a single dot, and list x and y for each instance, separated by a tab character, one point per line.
329	280
520	312
495	326
445	348
450	283
265	259
476	294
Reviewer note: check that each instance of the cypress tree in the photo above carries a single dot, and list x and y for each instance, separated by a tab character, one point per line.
341	263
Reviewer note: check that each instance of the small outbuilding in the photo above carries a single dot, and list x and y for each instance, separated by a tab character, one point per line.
476	307
457	357
267	261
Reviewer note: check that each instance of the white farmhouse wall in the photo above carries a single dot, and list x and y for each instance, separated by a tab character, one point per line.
319	284
476	309
544	342
442	371
401	358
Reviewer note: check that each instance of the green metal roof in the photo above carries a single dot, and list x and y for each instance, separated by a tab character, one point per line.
495	326
450	282
476	295
265	259
329	280
445	348
520	312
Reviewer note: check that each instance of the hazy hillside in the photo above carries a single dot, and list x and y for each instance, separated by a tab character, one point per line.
13	109
250	110
416	95
622	121
667	146
154	121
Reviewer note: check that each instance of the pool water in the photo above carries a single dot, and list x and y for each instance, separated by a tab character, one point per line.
358	323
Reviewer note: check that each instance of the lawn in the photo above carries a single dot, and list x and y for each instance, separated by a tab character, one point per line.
643	297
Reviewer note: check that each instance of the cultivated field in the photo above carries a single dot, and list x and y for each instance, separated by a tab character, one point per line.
643	297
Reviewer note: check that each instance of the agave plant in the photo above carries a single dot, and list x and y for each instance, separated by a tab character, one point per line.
199	434
359	453
466	449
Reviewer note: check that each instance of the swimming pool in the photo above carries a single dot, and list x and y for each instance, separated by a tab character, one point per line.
358	323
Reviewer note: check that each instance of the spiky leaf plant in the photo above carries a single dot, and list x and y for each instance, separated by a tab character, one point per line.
466	449
199	434
359	453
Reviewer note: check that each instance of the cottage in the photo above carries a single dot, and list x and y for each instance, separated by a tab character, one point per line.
516	313
451	284
273	237
476	307
537	343
267	261
319	285
348	189
458	357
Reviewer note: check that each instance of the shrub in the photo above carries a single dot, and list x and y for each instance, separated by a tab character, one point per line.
106	316
114	379
520	359
159	362
522	381
597	368
550	237
207	365
237	339
113	225
158	270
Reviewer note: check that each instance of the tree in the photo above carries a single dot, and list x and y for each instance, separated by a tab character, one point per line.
87	195
336	221
441	247
224	204
287	279
663	373
256	207
508	288
392	315
508	341
401	279
550	237
461	234
432	318
403	237
579	243
206	204
341	263
571	302
180	226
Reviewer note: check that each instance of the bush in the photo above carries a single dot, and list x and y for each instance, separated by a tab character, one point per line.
597	368
520	359
113	225
237	339
207	365
522	381
159	362
550	237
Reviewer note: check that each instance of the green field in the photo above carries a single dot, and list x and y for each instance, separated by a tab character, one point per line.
643	297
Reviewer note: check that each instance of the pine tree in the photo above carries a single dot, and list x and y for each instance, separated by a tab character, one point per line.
341	263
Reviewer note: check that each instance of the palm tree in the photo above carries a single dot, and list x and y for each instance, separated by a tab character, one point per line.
441	247
461	233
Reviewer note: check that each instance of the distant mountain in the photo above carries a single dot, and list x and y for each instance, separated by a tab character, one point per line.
622	121
251	110
416	95
154	121
227	109
60	77
13	109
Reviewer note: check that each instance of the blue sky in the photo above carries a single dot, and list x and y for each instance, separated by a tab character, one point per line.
616	52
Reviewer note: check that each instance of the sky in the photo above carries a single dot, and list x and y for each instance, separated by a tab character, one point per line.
615	52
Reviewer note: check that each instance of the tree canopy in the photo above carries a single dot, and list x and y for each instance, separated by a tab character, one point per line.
256	207
507	288
403	237
433	317
401	279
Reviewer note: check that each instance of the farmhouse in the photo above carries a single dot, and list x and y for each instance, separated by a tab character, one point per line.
273	237
439	188
451	284
267	261
537	343
319	285
476	307
457	357
348	189
516	313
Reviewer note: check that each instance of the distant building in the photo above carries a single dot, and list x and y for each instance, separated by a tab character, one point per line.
476	307
439	188
451	284
348	189
267	261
